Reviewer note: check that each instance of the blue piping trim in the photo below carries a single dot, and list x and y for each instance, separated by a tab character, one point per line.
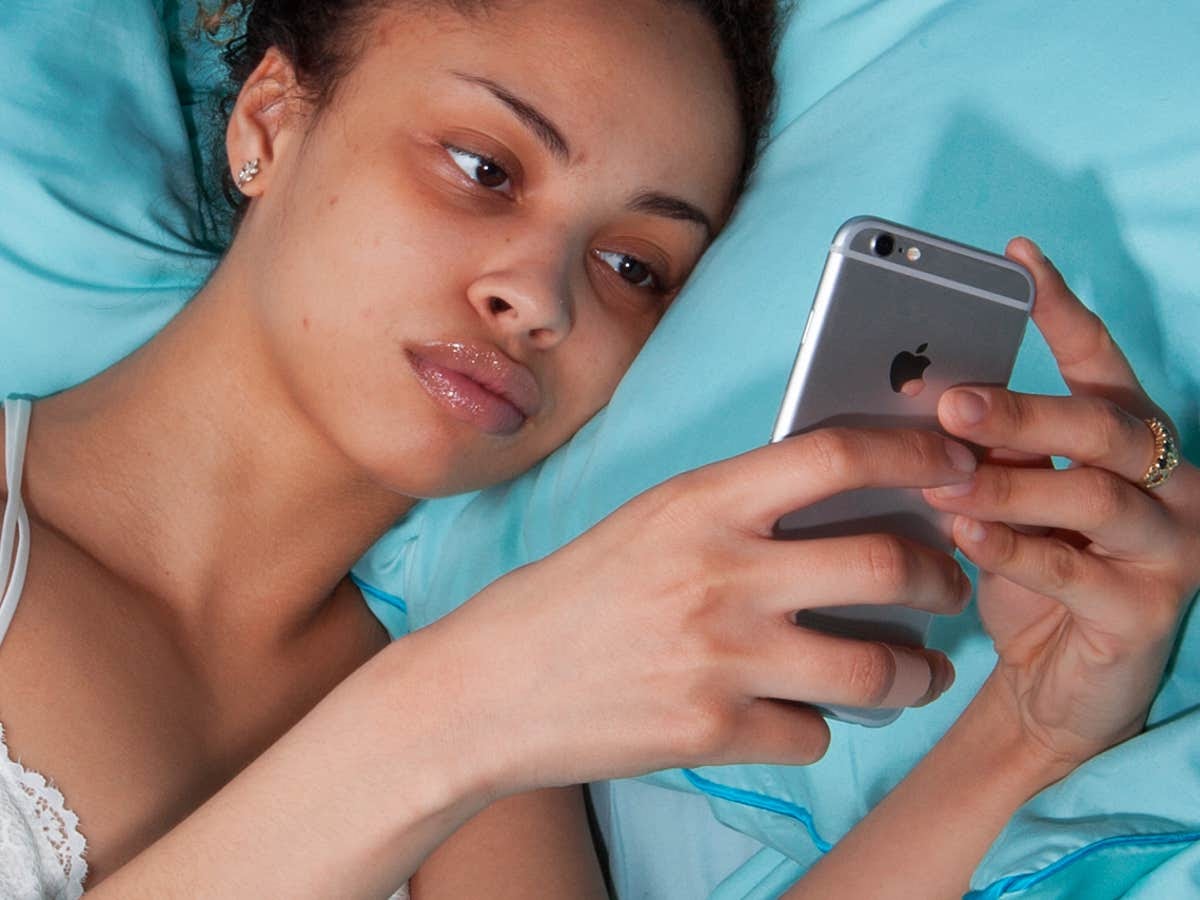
1013	883
381	596
760	801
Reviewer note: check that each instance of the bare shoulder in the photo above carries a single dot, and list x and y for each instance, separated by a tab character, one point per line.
137	719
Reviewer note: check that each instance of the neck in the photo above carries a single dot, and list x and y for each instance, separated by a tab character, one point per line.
189	471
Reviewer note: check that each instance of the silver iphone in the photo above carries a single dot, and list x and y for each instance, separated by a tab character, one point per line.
899	317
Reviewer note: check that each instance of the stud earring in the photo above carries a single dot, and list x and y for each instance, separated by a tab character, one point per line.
249	170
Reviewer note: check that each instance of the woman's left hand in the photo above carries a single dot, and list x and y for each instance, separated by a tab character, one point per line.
1084	602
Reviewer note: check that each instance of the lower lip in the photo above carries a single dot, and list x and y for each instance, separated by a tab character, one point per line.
466	399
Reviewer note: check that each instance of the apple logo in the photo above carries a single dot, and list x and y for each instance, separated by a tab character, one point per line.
908	370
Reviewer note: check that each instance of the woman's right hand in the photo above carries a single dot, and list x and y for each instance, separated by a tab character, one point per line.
663	636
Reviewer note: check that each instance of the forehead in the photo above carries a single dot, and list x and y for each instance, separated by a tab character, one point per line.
640	88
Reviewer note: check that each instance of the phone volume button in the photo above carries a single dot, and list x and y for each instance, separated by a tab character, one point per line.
807	324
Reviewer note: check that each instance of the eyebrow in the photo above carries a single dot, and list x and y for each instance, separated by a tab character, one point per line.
657	204
650	202
542	127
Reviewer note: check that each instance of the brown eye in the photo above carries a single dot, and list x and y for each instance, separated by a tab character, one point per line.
481	169
631	269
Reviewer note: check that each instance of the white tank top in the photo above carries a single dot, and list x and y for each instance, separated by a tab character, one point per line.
41	848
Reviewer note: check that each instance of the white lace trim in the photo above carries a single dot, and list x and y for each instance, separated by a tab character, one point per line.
47	814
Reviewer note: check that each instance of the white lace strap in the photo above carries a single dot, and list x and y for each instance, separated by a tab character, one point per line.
16	519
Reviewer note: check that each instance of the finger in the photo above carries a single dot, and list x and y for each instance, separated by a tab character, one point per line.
1045	565
1020	460
770	481
776	732
786	576
796	663
1087	429
1106	509
1088	358
1017	458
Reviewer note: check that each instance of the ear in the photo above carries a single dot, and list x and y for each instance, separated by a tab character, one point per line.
264	119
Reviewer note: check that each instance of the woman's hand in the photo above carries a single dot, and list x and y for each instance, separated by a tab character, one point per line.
664	635
1083	603
1084	576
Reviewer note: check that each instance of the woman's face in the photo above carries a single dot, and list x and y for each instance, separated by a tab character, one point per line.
456	261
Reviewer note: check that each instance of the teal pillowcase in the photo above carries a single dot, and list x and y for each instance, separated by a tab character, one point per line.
101	238
1069	122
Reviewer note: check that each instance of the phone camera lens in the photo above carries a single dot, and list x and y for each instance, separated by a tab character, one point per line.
884	244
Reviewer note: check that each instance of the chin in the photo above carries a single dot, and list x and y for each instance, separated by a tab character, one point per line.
443	469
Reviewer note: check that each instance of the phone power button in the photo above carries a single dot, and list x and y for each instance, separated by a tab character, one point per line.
807	324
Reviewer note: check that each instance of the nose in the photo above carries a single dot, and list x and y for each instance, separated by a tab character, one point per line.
529	302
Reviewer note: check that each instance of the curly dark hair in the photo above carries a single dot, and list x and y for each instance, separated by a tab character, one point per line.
322	39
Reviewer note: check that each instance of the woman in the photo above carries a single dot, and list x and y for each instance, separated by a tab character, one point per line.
446	263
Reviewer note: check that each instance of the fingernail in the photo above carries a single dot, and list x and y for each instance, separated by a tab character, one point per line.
960	457
953	491
972	530
914	678
969	407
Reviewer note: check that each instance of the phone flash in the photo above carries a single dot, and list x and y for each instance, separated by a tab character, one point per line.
913	254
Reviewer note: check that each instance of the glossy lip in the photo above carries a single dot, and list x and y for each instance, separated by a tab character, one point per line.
500	379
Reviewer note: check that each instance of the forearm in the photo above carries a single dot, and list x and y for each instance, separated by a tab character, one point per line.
531	845
928	835
346	804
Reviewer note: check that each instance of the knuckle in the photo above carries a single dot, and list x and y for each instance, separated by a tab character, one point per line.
1017	409
663	506
831	451
1061	566
1115	432
1004	550
1001	485
1095	340
1105	343
707	731
1105	497
701	588
890	565
925	449
685	490
872	674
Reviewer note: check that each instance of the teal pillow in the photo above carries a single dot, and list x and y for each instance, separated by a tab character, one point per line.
1072	123
101	236
1069	122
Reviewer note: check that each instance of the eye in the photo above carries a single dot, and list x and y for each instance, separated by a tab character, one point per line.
481	169
631	269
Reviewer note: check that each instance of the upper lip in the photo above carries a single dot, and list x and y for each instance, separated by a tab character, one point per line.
489	368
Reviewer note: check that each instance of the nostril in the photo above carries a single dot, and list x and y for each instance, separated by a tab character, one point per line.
498	306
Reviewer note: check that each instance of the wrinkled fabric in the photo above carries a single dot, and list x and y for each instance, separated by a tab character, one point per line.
1072	123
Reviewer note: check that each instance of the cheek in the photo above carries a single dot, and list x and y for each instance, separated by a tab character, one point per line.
358	266
606	343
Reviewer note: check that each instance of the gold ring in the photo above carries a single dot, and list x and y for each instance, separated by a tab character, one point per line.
1166	455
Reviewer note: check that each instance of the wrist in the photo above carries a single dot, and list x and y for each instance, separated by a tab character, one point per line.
1003	738
427	686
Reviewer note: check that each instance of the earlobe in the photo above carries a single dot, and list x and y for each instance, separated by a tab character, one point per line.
259	126
248	173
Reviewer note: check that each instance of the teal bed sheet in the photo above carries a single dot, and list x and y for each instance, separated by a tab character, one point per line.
1075	123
